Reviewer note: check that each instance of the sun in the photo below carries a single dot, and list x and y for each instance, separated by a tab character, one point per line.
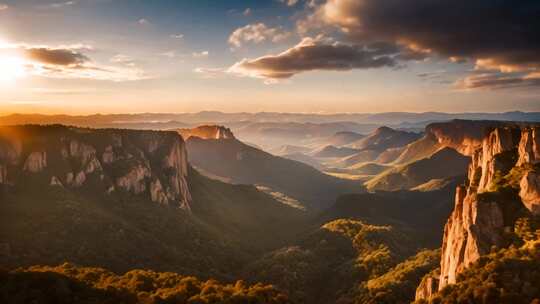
11	69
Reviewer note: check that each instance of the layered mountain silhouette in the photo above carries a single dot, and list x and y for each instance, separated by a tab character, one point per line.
200	202
230	159
445	163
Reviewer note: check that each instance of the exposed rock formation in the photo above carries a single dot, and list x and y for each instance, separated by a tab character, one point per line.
529	160
472	229
134	180
3	174
207	132
55	182
147	163
482	213
498	141
428	286
35	162
464	136
529	146
530	191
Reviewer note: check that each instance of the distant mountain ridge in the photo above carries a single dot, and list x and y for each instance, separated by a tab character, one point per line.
392	118
445	163
232	159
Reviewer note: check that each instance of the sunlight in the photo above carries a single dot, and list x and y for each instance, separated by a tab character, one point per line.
11	68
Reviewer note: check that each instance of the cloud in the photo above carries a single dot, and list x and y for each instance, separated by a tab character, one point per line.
503	33
499	80
169	54
210	73
62	4
257	33
289	2
3	6
123	59
317	54
177	36
247	12
143	21
202	54
56	56
433	74
69	62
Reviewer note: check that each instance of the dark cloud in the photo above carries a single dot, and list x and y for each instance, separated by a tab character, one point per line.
59	57
504	33
316	54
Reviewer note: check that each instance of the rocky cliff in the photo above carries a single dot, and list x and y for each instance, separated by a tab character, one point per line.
148	163
504	184
207	132
464	136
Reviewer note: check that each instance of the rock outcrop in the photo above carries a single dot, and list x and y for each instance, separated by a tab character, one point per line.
529	161
497	142
464	136
428	286
146	163
207	132
472	229
530	191
503	183
529	146
35	162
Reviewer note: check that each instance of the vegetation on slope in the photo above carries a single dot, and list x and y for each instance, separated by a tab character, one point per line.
328	263
506	275
443	164
247	165
51	225
398	285
71	284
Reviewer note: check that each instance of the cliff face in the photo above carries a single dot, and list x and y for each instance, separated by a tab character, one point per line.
529	159
207	132
503	182
428	286
152	164
464	136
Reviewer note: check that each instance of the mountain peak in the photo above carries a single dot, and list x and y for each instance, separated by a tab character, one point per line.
207	132
384	129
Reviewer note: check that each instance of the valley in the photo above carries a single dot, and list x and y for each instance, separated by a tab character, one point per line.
202	207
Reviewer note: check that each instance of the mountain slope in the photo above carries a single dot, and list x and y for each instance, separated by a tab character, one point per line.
68	283
332	259
112	219
376	144
443	164
343	138
243	164
333	151
384	138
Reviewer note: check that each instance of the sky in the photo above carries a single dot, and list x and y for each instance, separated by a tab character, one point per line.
316	56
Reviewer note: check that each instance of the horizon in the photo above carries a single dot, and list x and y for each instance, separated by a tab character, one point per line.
268	112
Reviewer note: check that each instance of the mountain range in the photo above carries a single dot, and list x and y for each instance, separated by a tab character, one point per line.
446	215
